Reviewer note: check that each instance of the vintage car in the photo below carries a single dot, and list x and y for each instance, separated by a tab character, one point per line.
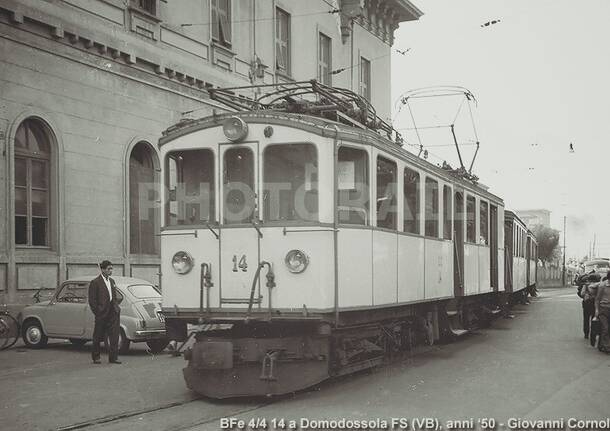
67	315
600	266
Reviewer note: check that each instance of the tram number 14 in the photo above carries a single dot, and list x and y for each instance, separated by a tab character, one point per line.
240	264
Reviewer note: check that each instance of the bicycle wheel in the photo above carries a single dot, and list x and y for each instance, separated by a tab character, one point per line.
9	331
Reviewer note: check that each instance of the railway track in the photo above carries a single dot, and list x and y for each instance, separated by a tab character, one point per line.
116	420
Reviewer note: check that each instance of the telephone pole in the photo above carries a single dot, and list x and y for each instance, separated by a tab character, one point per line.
563	271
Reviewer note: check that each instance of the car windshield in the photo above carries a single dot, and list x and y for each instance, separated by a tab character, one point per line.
143	291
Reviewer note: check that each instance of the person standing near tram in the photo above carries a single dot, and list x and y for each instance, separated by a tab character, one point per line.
602	312
104	300
587	292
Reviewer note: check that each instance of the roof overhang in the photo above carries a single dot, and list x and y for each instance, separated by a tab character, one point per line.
407	11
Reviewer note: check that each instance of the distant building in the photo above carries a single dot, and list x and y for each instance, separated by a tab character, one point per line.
87	87
534	217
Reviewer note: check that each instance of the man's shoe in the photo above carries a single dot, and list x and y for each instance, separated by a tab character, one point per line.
97	361
115	362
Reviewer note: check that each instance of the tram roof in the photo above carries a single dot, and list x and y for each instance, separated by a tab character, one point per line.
326	128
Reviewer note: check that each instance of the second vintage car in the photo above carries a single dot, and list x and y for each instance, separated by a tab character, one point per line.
67	315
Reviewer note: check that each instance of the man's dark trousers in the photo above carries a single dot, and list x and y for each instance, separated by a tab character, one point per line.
107	325
588	311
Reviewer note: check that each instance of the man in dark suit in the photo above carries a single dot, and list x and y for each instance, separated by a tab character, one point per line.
104	302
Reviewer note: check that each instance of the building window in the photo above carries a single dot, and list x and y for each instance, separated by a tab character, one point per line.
483	220
282	41
32	184
324	59
447	213
221	21
365	78
471	205
143	215
148	6
431	205
353	185
411	202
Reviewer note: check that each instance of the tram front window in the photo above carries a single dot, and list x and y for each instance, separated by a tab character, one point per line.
290	183
238	185
190	184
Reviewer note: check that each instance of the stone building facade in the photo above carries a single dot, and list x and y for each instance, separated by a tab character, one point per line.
87	87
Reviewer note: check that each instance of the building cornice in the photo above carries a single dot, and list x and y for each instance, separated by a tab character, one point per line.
379	17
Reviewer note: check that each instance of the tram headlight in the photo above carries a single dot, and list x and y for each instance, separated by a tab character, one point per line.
296	261
235	129
182	262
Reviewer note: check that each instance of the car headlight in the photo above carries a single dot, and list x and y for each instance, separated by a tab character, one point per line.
296	261
182	262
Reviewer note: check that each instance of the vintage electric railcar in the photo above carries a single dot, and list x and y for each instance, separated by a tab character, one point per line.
298	243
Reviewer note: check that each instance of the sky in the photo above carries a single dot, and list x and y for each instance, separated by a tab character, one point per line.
541	78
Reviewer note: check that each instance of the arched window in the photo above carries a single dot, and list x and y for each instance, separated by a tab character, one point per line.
143	211
32	183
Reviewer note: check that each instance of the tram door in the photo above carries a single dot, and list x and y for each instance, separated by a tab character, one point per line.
493	248
458	244
239	237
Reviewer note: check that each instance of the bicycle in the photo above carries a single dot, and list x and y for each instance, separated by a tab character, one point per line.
9	330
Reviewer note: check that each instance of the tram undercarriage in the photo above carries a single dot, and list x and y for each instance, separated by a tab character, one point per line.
265	357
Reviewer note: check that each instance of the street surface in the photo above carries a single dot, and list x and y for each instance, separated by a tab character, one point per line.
535	366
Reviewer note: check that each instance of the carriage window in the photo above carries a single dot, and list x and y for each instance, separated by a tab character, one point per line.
190	185
411	202
290	189
353	186
238	184
386	193
447	212
470	219
484	236
431	205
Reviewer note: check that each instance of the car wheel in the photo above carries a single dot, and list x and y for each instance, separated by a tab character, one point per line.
33	336
124	343
78	341
157	346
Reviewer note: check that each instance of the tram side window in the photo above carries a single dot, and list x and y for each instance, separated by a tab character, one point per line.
447	213
386	193
353	185
471	235
515	241
431	205
411	202
483	219
238	185
290	183
190	182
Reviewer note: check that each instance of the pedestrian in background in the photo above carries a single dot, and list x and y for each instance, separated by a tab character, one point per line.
587	292
104	301
602	312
